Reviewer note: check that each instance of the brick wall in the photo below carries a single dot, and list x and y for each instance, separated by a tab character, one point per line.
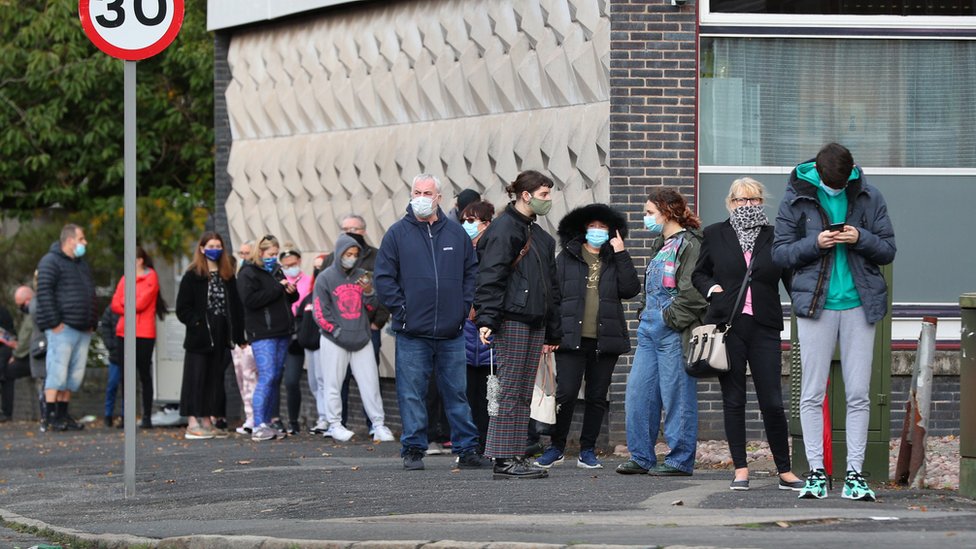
652	128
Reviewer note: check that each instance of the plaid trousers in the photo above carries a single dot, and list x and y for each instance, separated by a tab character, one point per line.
518	349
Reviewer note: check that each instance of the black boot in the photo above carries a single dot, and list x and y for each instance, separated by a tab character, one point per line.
54	422
517	467
69	422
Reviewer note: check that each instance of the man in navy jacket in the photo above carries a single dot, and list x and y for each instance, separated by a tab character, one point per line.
66	312
425	275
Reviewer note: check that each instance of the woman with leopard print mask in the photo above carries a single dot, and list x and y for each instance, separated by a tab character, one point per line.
727	250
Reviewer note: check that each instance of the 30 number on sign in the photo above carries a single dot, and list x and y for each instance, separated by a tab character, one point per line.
131	29
117	9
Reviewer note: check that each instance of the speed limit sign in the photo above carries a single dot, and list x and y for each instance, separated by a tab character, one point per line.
131	29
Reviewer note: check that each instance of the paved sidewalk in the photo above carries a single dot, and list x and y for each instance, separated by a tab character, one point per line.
305	491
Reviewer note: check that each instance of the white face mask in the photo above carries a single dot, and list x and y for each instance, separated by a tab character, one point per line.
422	206
348	262
292	272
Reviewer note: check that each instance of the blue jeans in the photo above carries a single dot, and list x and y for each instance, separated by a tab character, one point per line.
67	355
269	356
416	359
658	379
112	388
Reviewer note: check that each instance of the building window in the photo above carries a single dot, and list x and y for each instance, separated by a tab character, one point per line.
898	103
836	7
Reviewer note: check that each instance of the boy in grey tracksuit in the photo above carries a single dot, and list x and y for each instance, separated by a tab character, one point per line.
834	232
343	299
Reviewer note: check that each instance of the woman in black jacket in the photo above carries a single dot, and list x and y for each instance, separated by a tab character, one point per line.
517	299
208	305
757	321
595	274
267	296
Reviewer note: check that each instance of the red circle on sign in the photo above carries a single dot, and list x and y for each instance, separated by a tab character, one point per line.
91	30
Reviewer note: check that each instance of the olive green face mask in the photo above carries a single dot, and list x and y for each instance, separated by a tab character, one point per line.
539	206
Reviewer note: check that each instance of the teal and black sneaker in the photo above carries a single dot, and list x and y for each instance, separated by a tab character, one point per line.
855	487
816	486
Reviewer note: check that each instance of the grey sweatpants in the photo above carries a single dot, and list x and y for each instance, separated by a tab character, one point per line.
818	339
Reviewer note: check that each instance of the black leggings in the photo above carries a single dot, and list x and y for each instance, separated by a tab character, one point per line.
571	368
758	345
144	352
293	384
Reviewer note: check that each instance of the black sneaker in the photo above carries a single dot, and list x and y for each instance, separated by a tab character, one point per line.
471	460
293	428
278	426
517	468
146	422
108	421
413	460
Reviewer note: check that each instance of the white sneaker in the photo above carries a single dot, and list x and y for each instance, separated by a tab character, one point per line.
382	433
338	432
263	433
320	427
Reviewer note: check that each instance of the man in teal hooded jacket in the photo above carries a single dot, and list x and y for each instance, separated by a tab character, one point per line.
834	233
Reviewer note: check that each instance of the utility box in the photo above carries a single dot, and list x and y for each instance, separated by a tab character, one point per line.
967	397
879	427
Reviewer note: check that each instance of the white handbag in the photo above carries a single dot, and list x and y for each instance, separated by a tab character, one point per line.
543	407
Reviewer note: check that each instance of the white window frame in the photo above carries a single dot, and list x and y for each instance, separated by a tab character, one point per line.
876	22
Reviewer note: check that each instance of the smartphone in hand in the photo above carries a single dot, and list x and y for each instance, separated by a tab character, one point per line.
836	227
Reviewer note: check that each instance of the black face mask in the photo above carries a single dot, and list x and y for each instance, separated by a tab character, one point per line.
25	309
359	239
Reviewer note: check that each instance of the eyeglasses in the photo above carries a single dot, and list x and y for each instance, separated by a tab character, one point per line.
242	253
752	201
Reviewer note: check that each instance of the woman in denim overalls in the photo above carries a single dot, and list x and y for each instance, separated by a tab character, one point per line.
672	307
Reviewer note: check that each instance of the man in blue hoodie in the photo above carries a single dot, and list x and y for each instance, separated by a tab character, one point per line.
425	275
833	232
66	312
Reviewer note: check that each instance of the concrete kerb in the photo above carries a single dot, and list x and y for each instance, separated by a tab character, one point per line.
106	541
124	541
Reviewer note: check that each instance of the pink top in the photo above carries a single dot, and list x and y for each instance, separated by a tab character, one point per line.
747	309
303	283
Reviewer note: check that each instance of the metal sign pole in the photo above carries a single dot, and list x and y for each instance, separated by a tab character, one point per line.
129	229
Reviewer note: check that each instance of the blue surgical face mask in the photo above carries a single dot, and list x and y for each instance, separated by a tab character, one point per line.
270	263
292	272
832	191
213	254
422	206
79	249
597	237
651	224
471	227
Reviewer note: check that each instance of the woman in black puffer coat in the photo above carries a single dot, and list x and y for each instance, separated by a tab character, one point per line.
595	274
267	296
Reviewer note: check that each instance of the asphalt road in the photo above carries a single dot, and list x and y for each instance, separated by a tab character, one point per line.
308	488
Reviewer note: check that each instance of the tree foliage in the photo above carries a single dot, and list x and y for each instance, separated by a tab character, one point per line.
61	126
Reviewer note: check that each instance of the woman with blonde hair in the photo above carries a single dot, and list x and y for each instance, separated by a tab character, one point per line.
731	247
267	296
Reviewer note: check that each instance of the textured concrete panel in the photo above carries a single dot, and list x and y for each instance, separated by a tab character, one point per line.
337	111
